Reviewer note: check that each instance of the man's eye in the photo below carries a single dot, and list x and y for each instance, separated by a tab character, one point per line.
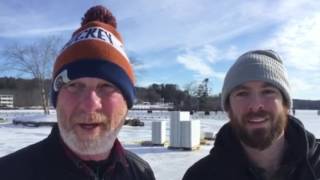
74	87
241	94
105	88
107	85
269	92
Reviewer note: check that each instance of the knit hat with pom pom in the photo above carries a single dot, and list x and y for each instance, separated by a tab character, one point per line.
95	50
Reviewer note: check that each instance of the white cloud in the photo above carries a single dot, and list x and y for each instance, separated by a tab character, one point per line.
172	24
196	64
299	85
150	25
304	89
146	83
231	53
39	18
298	43
147	65
209	53
201	60
189	23
36	31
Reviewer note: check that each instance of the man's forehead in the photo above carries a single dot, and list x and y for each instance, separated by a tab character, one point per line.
254	84
90	80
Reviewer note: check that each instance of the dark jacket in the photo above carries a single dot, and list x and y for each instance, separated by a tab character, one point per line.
49	160
227	160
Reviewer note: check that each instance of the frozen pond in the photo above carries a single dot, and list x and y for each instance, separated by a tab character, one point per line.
167	164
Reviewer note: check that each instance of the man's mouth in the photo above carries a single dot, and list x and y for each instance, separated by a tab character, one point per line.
89	126
257	120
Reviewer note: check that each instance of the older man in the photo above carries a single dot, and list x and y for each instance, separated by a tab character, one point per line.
261	141
93	87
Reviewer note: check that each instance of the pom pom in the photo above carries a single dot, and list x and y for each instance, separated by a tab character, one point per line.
99	13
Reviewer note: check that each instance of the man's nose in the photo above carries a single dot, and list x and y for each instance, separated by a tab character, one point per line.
256	103
91	102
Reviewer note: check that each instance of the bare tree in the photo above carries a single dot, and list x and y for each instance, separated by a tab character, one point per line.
35	59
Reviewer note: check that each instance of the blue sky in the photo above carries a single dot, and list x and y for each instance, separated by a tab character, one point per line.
185	41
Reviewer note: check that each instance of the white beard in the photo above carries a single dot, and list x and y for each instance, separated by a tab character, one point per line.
100	145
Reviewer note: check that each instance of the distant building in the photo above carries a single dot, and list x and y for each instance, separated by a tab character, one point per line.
155	106
6	100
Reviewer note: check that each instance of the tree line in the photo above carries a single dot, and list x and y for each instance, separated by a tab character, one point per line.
26	93
306	104
192	99
197	98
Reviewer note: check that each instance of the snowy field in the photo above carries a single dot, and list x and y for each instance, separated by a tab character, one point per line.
166	164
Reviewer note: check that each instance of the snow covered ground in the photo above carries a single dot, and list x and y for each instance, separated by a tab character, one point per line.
167	164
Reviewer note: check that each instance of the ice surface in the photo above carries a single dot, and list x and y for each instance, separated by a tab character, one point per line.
166	164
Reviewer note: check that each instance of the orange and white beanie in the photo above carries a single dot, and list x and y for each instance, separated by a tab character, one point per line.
95	50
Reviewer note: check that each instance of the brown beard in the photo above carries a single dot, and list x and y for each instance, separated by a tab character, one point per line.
259	138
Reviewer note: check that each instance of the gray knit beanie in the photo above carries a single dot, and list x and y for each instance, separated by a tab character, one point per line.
261	65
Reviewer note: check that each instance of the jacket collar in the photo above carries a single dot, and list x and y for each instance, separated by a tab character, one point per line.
227	146
117	158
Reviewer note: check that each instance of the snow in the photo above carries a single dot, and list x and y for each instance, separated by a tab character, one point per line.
166	163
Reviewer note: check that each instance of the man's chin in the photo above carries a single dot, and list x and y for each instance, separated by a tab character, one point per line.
83	144
84	136
258	139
